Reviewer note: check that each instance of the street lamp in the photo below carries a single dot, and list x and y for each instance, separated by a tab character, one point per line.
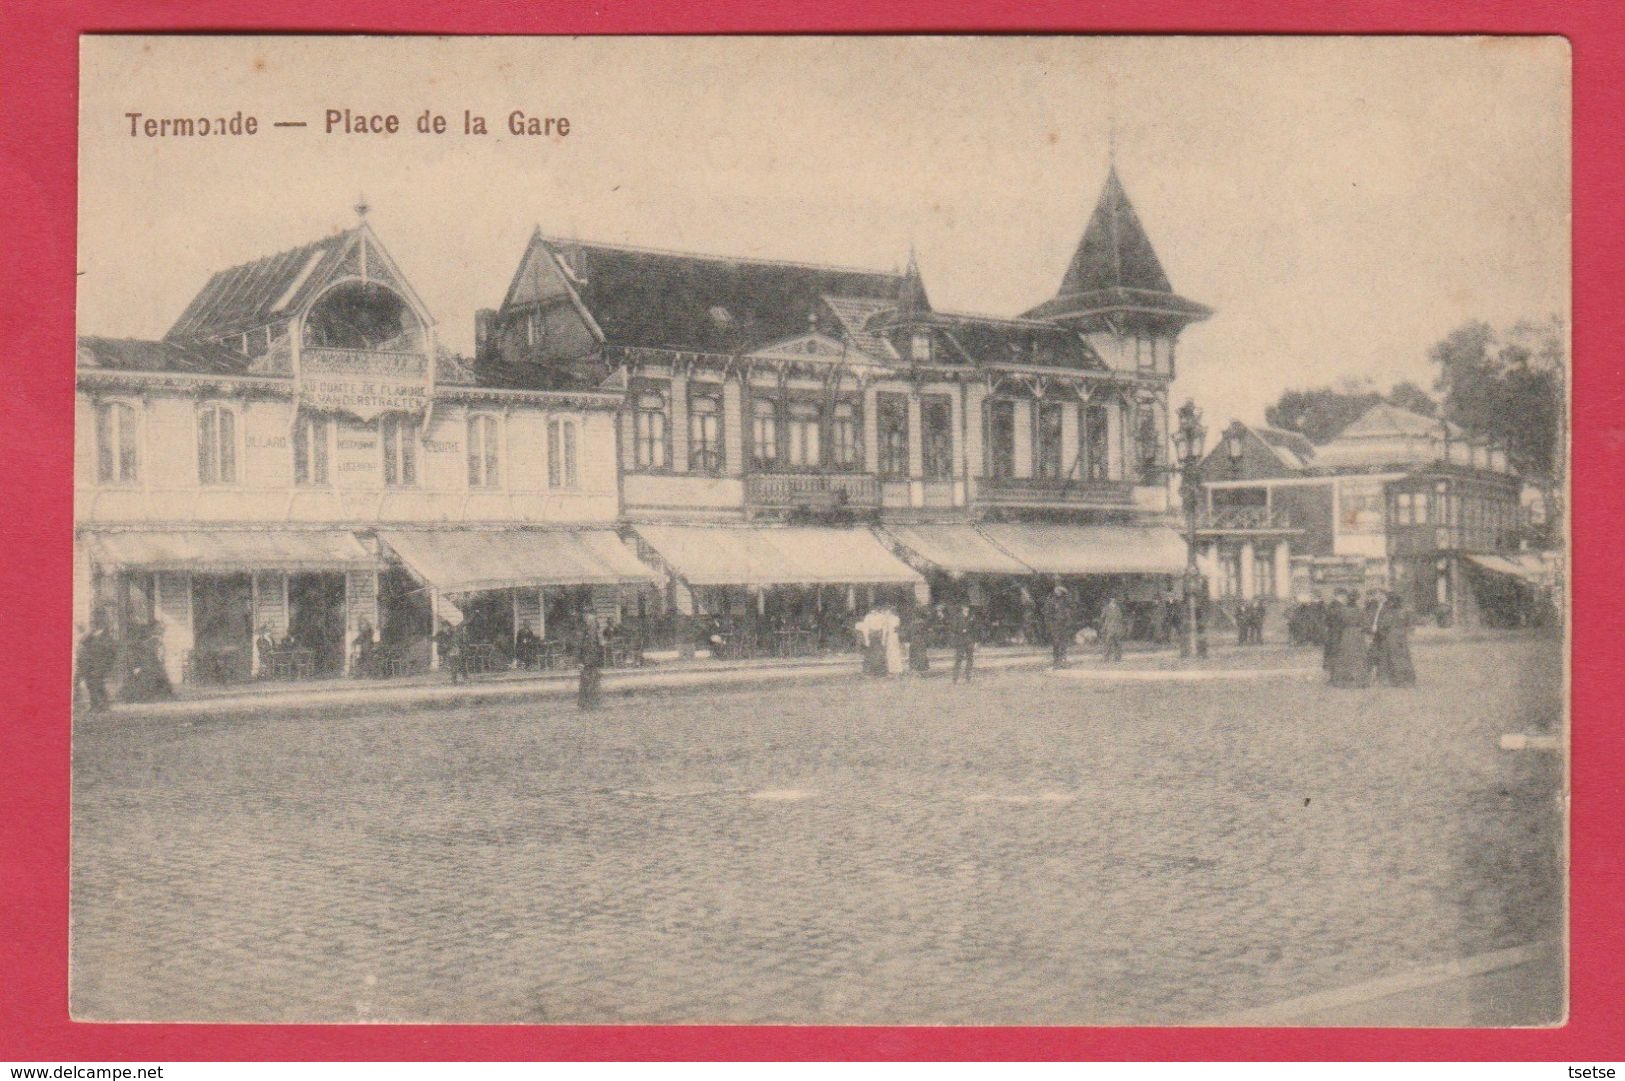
1190	438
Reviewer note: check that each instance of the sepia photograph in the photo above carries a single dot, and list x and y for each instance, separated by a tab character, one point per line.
928	530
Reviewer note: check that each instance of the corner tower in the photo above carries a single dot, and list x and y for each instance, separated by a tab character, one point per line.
1116	293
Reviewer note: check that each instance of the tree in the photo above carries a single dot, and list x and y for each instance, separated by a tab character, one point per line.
1322	412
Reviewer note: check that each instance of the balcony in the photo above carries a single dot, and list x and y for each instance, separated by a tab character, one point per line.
1044	491
819	491
1242	520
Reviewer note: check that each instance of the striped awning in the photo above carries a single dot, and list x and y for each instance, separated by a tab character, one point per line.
1090	549
229	551
776	555
465	560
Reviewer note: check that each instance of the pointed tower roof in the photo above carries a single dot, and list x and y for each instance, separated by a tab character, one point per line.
911	297
1115	268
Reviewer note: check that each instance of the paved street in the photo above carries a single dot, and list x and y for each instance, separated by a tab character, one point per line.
1032	849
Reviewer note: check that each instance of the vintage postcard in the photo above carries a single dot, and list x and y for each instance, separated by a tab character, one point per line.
928	530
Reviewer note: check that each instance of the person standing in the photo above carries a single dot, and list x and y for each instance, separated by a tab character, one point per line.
1058	625
448	640
590	653
962	632
1111	630
1351	657
918	630
1331	626
1393	646
97	655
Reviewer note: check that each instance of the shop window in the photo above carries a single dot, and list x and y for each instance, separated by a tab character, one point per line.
705	433
937	418
1047	440
845	437
649	430
764	432
116	441
891	416
484	446
399	436
217	445
561	454
1001	439
802	435
312	442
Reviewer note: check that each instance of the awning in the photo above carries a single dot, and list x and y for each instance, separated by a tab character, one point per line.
230	551
959	549
464	560
1090	549
1529	568
776	555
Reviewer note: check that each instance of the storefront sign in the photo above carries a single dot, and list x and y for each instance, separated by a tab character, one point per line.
364	383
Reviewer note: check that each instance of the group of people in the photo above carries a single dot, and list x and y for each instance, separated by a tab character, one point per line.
1062	624
96	663
1250	616
1368	643
883	634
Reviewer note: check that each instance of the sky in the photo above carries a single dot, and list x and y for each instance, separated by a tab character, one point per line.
1342	203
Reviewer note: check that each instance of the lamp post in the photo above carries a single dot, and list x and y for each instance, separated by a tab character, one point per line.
1189	440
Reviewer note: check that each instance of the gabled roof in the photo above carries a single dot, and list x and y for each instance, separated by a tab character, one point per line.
1293	448
705	303
1384	420
861	320
134	354
261	291
990	342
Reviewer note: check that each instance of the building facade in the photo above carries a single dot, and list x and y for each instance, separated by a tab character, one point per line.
297	466
1396	500
791	414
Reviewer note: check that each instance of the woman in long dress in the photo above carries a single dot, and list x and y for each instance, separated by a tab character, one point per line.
1394	665
871	636
1351	656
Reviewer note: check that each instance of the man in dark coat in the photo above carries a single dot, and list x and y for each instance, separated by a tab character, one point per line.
962	634
448	640
97	656
1058	625
590	652
1391	644
1350	656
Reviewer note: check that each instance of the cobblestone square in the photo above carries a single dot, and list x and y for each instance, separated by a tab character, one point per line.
1030	849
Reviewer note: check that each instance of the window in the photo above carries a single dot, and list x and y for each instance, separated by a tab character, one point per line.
399	435
649	430
1145	351
845	437
561	454
484	442
116	436
802	431
764	431
1264	572
1420	508
1150	441
311	441
1097	463
1047	440
705	433
891	416
1001	436
1229	573
920	347
937	418
216	445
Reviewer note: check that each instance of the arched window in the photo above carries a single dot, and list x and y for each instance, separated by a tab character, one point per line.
845	440
764	431
649	423
217	445
116	442
561	454
484	443
705	433
802	434
311	435
398	433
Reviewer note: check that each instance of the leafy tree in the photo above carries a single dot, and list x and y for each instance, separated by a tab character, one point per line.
1408	395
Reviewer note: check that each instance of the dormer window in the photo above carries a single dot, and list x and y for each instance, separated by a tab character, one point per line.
920	347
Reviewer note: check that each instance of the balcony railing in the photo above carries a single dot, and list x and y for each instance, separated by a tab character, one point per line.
1242	519
813	489
1029	491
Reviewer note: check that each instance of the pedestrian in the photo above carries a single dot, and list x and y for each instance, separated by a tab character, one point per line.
590	654
527	647
1331	627
1111	630
1351	656
1243	613
1158	621
97	656
962	632
149	678
1392	645
1058	625
448	640
1260	614
919	644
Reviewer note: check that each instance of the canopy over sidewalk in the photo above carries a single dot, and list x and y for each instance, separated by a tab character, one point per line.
229	551
466	560
958	549
776	555
1090	549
